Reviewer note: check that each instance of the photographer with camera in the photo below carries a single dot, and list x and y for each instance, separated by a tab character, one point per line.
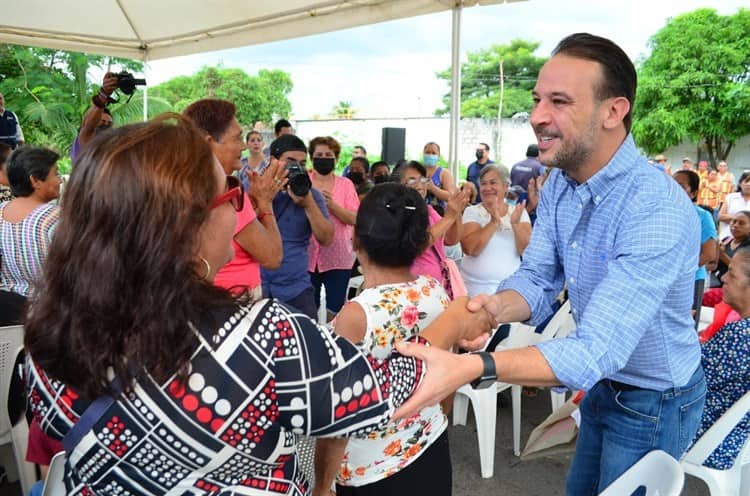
98	117
300	211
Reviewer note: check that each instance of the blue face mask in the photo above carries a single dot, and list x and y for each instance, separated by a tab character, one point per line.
510	202
430	160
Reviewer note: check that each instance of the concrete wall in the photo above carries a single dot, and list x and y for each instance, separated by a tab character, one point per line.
517	135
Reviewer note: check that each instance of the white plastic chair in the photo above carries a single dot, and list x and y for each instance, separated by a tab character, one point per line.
731	482
54	485
14	436
484	401
657	471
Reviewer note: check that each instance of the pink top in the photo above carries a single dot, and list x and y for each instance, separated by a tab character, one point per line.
339	254
243	271
429	263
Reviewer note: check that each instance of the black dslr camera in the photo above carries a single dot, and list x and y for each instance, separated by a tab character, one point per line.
127	83
299	182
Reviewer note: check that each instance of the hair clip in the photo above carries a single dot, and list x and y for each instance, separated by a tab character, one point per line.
406	207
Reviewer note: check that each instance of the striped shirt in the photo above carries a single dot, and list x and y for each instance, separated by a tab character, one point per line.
626	244
24	246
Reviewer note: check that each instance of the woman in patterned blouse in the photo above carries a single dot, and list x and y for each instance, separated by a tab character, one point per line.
216	387
726	362
27	224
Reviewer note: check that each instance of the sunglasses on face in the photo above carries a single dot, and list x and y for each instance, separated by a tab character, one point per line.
232	194
417	180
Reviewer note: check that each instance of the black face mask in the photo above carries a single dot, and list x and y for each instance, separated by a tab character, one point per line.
479	154
382	178
323	166
356	177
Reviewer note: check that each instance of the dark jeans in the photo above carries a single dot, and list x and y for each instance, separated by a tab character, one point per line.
621	423
305	303
336	282
430	474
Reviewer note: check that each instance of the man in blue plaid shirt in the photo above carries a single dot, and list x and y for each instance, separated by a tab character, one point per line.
624	239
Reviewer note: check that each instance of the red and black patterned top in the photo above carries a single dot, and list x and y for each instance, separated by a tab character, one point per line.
255	382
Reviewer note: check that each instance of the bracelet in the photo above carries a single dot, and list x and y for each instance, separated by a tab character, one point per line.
263	214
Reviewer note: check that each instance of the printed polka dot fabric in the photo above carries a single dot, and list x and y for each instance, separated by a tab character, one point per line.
726	363
255	382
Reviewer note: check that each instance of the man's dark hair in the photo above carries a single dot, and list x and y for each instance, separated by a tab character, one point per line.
532	150
27	162
281	123
486	146
106	111
618	73
361	148
378	164
286	143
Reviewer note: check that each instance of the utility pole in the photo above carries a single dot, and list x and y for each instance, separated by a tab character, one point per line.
498	145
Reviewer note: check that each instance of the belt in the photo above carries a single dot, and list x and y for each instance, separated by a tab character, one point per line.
621	386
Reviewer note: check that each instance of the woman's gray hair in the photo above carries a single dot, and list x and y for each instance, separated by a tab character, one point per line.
499	169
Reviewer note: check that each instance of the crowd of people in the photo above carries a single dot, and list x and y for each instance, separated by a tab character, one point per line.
170	299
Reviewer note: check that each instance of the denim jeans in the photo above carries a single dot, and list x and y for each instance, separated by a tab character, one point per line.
621	424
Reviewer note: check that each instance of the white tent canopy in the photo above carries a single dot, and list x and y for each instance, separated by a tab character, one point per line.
157	29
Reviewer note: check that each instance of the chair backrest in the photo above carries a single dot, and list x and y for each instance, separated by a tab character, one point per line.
560	325
657	471
11	344
710	439
54	485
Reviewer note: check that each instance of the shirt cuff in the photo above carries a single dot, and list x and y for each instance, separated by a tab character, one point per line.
533	294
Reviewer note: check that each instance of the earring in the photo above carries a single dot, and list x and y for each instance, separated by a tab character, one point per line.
208	267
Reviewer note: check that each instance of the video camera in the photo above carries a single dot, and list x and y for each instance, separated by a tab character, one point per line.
299	181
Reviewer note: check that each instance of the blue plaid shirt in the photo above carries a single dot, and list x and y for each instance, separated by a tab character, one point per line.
626	244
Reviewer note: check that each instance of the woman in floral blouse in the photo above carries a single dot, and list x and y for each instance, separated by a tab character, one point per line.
726	362
411	456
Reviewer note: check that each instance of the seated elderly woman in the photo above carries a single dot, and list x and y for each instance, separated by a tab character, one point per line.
725	359
411	457
156	380
495	234
27	224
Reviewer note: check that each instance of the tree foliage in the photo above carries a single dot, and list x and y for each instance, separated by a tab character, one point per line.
695	84
262	97
50	91
480	80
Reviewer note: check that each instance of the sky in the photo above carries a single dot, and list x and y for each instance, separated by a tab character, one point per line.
388	69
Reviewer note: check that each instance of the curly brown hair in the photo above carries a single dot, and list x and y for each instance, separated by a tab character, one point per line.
212	115
120	285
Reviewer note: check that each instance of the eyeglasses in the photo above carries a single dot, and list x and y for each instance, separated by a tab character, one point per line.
417	180
233	194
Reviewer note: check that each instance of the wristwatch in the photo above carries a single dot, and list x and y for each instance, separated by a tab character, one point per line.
489	374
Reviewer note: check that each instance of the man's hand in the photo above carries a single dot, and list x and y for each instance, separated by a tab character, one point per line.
485	303
263	187
301	201
109	83
446	372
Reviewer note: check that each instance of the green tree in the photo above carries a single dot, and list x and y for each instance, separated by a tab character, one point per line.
480	80
695	84
262	97
50	91
343	110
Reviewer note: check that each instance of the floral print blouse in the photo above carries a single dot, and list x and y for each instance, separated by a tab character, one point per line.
726	363
394	312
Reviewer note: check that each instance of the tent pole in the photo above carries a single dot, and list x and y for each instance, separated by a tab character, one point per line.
145	88
455	89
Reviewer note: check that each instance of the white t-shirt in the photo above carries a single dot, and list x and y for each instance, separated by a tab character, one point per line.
499	259
735	203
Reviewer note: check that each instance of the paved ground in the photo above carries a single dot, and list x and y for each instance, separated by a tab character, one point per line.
540	477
